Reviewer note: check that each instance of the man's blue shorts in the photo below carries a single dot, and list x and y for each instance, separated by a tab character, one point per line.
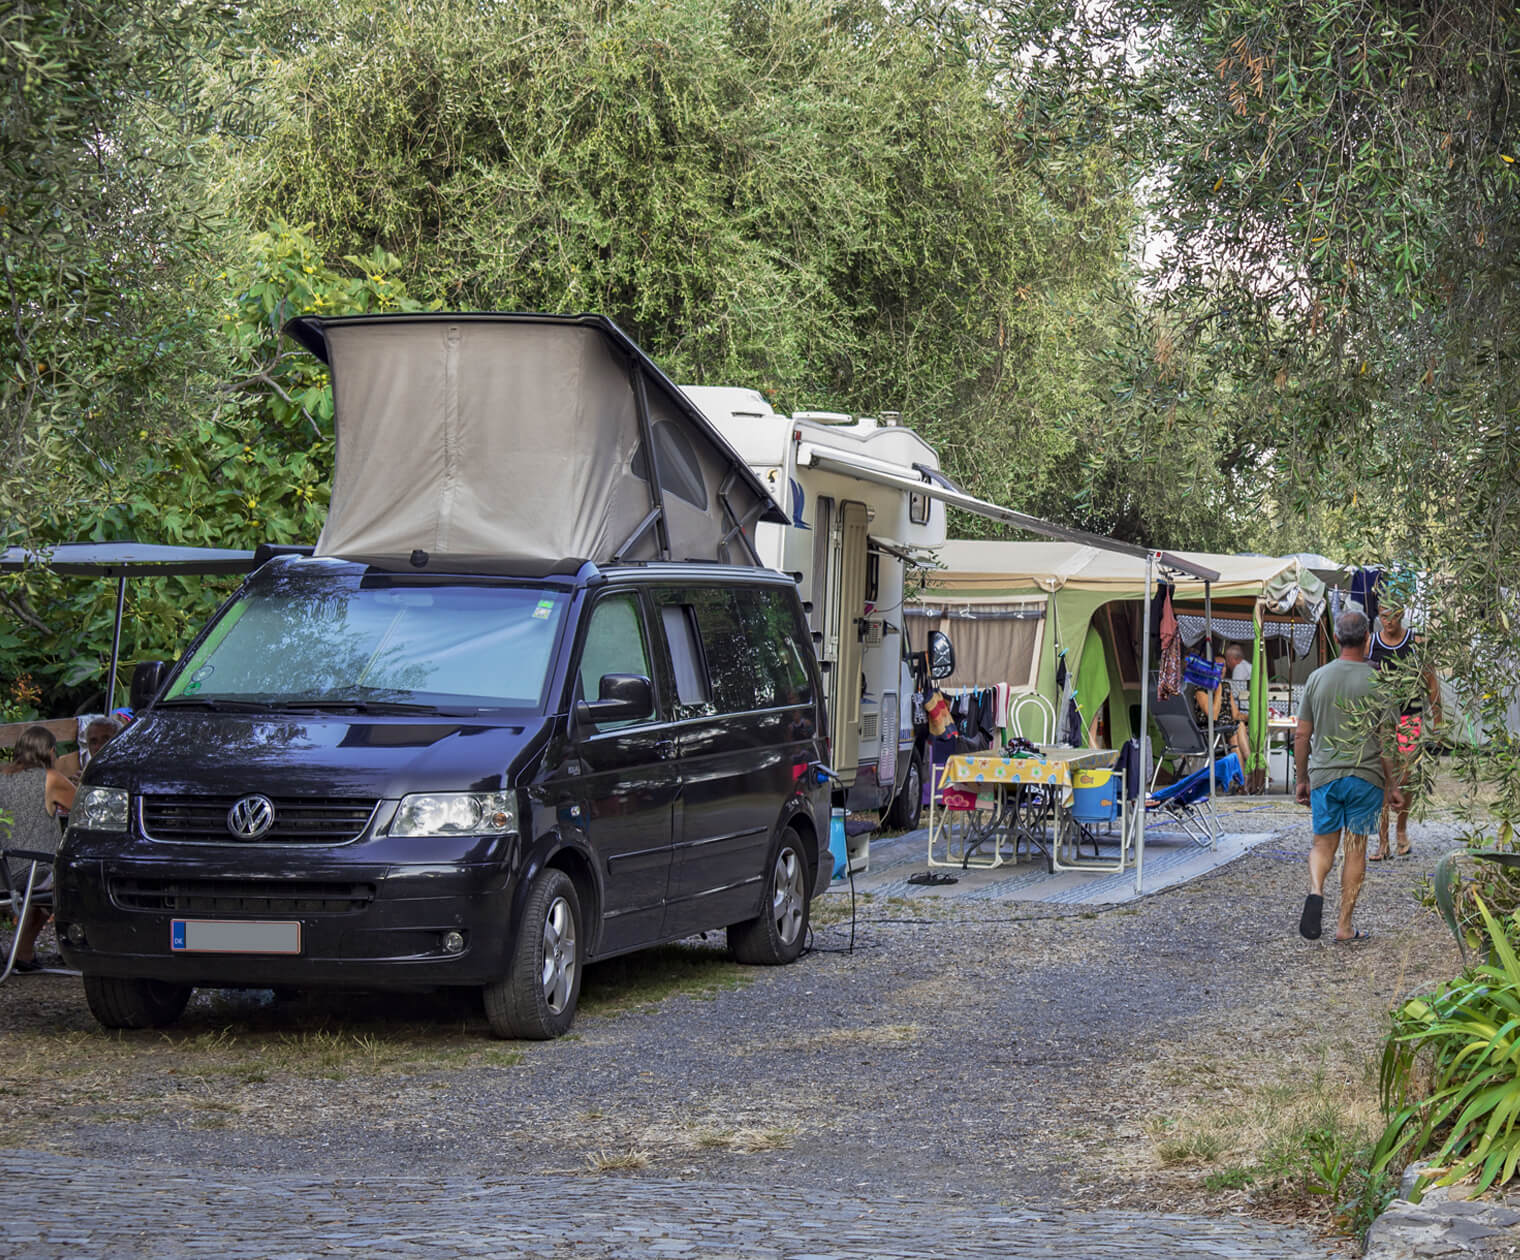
1346	804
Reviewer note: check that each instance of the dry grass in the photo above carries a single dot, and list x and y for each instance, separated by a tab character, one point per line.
745	1141
617	1161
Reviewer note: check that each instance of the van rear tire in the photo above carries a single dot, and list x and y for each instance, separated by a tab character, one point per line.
120	1003
776	935
536	999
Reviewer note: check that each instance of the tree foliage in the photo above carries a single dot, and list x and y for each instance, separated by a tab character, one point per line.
253	466
830	202
108	109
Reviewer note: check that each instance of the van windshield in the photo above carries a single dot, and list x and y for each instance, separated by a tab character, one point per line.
351	643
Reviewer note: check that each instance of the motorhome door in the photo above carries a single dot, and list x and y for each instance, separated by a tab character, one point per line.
845	600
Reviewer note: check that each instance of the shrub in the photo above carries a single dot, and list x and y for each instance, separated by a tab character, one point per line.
1468	1033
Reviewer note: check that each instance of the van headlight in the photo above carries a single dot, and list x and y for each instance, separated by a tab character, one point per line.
455	814
100	809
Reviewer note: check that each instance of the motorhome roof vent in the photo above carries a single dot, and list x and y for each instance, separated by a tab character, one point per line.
891	419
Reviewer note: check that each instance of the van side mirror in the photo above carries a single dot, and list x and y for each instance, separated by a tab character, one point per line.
147	678
941	655
623	698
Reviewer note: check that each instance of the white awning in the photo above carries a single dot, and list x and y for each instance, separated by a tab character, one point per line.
885	475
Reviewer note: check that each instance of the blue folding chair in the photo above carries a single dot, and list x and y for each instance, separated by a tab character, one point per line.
1187	801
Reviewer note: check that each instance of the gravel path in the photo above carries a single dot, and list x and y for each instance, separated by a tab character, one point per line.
969	1060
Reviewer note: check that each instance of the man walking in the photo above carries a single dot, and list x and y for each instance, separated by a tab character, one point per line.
1342	772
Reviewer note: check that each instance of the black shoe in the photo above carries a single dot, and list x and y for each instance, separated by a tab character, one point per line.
1309	922
27	964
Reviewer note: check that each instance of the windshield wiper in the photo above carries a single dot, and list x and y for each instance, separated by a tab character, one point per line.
337	705
216	705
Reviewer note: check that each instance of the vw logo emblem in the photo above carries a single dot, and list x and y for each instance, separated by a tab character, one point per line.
251	817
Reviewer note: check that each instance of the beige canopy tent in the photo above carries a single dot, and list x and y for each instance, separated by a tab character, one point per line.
1015	610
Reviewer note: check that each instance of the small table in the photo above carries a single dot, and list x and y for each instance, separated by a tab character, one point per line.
1040	786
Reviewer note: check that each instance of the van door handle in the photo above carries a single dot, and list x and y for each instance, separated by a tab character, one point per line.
665	749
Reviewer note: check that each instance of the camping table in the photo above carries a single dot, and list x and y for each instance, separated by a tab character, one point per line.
1280	733
1021	814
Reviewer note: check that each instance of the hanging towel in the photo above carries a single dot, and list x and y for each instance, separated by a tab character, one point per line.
1003	693
1364	590
1169	671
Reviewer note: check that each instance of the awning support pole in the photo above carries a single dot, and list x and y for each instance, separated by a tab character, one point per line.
1145	713
121	604
1208	639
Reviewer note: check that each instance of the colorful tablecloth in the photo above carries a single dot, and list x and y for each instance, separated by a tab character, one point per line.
981	768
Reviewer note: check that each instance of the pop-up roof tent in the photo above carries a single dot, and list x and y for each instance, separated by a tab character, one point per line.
514	437
1014	608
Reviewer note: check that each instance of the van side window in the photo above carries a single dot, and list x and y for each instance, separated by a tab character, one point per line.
693	698
721	652
773	631
615	644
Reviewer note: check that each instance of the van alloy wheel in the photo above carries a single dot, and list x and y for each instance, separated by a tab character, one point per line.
536	997
559	955
788	895
776	935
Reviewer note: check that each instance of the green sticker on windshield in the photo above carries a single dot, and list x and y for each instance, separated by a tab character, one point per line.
545	607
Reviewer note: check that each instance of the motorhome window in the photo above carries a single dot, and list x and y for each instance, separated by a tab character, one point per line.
692	695
615	644
331	641
774	631
680	469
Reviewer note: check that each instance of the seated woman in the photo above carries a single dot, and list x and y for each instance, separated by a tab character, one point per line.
32	791
1227	714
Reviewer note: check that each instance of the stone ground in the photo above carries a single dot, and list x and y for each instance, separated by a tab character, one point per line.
977	1078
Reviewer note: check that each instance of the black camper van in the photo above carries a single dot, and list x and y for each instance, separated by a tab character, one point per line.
378	778
440	752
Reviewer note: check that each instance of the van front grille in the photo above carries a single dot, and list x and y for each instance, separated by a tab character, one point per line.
261	897
297	819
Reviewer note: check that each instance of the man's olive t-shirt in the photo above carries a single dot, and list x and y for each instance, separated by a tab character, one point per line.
1343	743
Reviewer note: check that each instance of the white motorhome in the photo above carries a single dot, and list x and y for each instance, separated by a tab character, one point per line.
857	526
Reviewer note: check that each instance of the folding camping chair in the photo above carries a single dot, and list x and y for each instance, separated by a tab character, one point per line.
1100	813
20	895
1176	719
1187	801
961	820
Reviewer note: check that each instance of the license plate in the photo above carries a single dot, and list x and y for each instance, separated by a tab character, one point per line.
234	936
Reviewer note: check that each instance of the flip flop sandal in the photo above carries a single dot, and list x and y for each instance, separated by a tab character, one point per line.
1309	921
1405	855
1382	857
1356	938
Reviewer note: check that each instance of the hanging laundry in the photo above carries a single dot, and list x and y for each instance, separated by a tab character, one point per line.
986	713
1169	670
1364	590
1003	693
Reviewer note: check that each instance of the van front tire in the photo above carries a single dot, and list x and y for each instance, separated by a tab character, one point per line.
119	1003
777	934
536	999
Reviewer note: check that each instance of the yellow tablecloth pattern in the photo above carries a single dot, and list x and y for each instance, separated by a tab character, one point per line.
972	768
